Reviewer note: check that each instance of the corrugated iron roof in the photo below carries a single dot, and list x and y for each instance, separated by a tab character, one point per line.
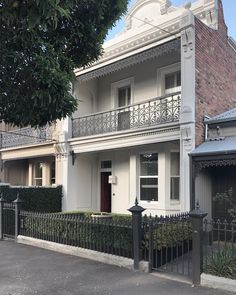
223	117
225	145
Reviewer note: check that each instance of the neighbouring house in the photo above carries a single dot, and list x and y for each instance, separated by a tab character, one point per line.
214	167
27	156
141	110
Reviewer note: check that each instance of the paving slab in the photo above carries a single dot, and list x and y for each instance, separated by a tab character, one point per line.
27	270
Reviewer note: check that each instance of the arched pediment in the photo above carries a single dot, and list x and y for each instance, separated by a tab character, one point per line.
146	10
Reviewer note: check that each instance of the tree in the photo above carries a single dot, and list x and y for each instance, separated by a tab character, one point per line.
41	43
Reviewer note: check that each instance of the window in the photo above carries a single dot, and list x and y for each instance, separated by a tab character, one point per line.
172	82
106	164
149	177
53	173
124	96
124	99
38	174
174	175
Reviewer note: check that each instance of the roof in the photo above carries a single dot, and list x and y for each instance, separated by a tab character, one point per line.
225	145
223	117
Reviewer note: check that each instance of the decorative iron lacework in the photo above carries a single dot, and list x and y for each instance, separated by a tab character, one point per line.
214	163
132	60
25	136
145	114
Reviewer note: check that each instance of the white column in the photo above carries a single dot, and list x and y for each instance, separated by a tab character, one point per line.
162	195
65	163
30	174
187	113
133	191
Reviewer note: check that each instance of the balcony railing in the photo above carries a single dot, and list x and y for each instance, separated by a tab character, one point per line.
149	113
25	136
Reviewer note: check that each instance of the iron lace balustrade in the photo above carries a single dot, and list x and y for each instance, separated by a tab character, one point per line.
148	113
25	136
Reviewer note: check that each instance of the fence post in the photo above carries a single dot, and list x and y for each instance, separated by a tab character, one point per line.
196	217
17	205
136	211
1	216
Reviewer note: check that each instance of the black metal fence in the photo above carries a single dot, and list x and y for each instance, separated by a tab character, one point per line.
167	243
8	220
182	244
104	235
219	245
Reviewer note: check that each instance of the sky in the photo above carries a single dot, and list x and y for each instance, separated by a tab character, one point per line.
229	12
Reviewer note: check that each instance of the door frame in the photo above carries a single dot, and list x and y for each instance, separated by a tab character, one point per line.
100	170
107	185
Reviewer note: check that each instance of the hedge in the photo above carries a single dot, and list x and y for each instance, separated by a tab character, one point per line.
102	235
37	199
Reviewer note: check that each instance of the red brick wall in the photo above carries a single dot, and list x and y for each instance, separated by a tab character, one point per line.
215	72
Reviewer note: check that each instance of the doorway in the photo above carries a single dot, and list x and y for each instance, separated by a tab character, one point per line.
105	192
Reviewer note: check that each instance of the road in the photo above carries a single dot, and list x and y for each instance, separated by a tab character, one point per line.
26	270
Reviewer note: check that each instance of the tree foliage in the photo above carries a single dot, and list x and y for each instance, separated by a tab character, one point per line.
41	43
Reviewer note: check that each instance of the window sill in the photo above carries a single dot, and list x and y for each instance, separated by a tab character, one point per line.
175	202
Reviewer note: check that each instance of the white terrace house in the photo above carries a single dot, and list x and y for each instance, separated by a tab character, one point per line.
134	127
141	107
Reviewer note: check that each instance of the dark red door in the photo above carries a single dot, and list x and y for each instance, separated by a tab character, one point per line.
105	192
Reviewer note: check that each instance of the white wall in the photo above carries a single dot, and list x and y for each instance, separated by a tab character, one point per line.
81	184
120	191
16	172
96	94
84	180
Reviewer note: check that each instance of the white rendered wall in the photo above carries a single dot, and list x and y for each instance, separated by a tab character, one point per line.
120	191
96	95
82	184
84	180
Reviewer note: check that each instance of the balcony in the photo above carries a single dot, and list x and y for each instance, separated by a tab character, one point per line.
25	136
149	113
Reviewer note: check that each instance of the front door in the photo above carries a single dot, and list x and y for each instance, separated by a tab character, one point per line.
105	192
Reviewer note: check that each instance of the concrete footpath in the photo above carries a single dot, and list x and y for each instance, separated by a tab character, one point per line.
26	270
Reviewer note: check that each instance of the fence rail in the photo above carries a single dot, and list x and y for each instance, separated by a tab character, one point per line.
25	136
182	243
8	220
168	243
149	113
219	244
104	235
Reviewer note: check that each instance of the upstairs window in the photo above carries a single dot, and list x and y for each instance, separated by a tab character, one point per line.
172	82
174	175
149	177
124	96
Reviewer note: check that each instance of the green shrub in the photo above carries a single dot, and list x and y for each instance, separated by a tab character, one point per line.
38	199
222	263
170	234
80	231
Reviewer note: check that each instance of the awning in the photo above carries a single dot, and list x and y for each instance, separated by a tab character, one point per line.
168	47
224	145
215	153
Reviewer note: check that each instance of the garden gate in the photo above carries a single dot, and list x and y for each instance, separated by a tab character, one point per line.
9	218
168	243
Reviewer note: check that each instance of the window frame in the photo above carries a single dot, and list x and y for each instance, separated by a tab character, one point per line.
147	177
34	174
51	178
161	73
170	90
174	177
121	84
